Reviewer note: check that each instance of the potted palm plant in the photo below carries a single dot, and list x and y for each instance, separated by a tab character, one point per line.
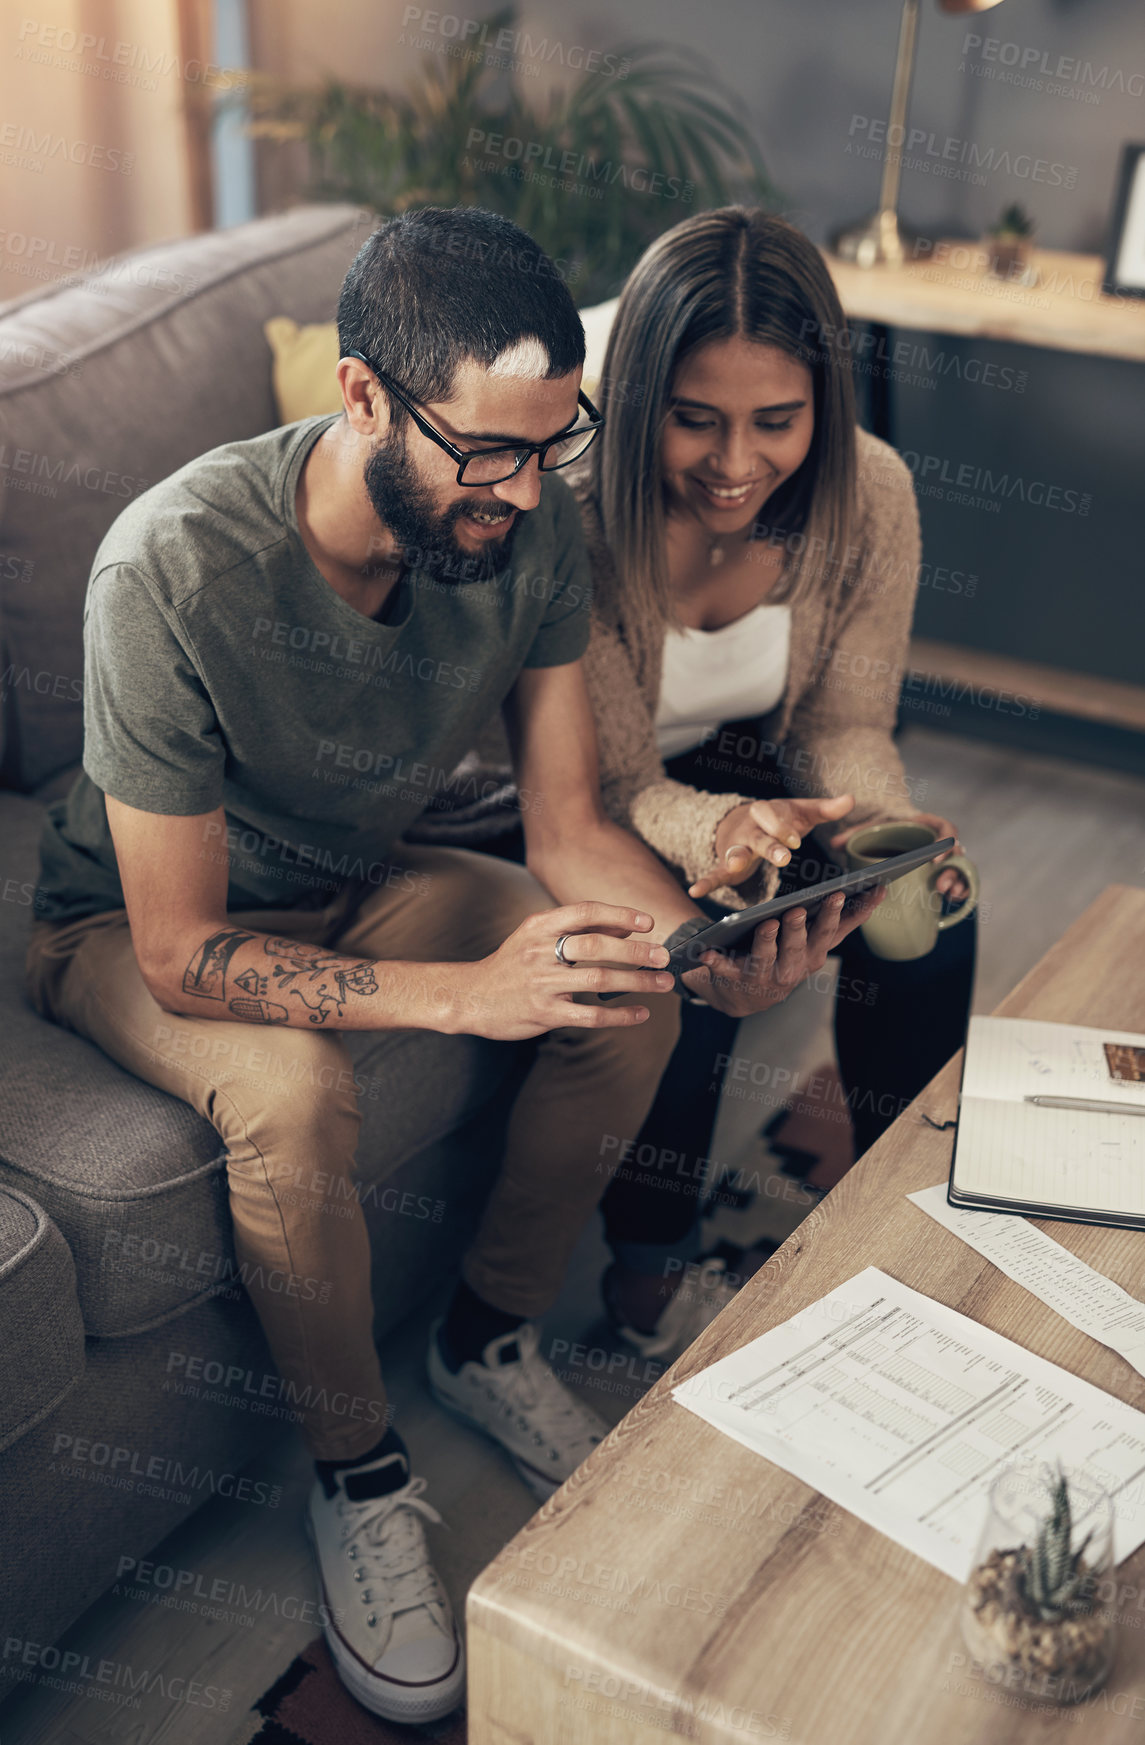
593	169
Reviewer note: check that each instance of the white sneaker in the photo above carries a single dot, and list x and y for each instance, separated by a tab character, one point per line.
706	1288
387	1620
513	1396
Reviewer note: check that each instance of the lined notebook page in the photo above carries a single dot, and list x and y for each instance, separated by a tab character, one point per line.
1012	1058
1009	1149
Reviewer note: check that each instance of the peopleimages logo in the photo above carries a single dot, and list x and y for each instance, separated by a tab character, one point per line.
46	257
24	469
659	1706
220	1597
125	63
36	357
475	34
928	151
126	1251
45	684
117	1680
426	784
900	684
359	659
571	1576
1015	63
133	1470
534	154
991	489
308	863
21	147
872	354
233	1379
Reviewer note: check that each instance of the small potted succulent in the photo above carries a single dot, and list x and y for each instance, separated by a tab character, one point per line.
1011	244
1031	1615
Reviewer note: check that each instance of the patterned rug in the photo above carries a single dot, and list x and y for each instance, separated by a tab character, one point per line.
814	1136
309	1705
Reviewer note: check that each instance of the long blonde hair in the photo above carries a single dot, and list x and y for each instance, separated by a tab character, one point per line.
736	271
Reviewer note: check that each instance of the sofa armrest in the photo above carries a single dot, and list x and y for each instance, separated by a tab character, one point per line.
41	1329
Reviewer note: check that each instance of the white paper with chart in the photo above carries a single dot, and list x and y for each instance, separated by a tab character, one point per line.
903	1411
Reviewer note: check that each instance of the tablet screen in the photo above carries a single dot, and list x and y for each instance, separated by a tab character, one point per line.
723	934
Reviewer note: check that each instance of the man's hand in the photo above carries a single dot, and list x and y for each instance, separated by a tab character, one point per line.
783	953
522	990
949	883
765	830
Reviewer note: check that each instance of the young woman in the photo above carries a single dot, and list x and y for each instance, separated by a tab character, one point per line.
755	558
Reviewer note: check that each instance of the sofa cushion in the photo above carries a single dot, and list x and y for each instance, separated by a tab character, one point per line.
109	382
131	1176
305	358
135	1178
40	1315
126	1457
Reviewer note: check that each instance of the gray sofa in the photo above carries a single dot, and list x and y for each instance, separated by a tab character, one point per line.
115	1241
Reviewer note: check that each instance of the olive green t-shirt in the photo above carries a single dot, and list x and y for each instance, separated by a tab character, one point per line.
222	669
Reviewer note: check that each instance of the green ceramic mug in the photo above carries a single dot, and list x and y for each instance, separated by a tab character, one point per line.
909	919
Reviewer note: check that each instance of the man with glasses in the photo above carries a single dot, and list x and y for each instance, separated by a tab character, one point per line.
268	632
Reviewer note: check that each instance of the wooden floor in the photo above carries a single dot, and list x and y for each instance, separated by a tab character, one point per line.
1048	836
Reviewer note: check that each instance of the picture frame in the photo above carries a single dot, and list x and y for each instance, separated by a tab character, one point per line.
1125	248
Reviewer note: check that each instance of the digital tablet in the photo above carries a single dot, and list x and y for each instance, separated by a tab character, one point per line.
722	935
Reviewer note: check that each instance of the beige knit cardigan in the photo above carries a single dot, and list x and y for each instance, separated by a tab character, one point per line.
831	731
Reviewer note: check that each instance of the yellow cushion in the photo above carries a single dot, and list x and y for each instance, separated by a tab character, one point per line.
305	359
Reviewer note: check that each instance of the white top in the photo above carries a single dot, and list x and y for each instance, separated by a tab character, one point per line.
713	676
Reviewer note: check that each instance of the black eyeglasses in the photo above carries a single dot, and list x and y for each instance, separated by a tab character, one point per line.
491	466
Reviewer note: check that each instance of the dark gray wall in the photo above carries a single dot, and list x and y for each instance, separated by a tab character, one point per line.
1053	585
804	69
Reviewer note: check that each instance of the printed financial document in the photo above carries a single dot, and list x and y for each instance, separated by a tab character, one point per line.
1083	1297
903	1412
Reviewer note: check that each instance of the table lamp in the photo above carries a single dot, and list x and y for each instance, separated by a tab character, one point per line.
877	242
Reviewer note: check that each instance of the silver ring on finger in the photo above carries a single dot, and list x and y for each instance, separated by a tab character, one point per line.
559	949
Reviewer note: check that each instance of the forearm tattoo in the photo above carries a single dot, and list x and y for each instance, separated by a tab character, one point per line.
206	974
322	980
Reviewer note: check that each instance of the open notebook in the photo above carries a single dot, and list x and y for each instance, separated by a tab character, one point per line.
1011	1155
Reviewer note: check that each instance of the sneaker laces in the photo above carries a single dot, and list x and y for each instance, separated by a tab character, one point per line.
391	1546
530	1385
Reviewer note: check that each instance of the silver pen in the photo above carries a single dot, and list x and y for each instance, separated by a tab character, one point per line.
1085	1103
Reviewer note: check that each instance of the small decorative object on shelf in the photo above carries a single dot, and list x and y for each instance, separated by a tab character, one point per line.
1032	1617
1011	244
1125	247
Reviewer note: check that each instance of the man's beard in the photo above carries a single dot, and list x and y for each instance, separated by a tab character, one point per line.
425	534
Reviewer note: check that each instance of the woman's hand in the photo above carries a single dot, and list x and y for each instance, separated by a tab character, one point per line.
784	952
764	830
949	883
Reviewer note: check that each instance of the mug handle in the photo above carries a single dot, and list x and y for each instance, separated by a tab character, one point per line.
968	904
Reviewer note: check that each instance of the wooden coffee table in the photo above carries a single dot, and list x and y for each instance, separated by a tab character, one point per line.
679	1584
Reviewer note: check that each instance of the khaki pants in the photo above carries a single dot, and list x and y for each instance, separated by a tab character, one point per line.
283	1103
